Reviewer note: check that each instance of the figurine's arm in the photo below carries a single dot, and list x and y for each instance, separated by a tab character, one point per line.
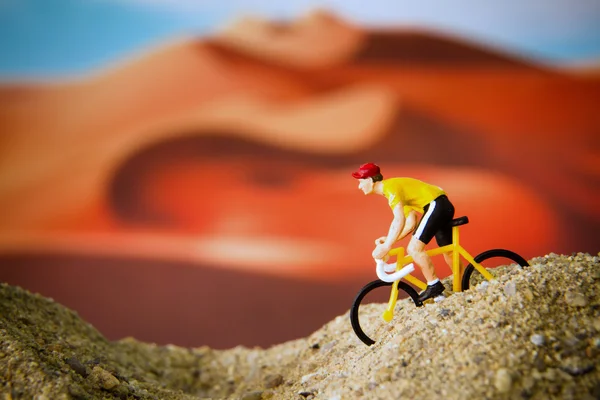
396	227
409	224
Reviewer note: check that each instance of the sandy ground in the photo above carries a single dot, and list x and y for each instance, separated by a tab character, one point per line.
533	333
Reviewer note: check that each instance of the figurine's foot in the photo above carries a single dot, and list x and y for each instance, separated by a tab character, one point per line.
432	291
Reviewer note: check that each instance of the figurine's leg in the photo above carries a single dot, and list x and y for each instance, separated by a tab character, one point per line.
443	237
450	262
416	249
437	215
435	287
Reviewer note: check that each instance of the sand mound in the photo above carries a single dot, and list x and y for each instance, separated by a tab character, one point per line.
532	333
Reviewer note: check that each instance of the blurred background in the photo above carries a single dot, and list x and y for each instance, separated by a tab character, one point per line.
179	171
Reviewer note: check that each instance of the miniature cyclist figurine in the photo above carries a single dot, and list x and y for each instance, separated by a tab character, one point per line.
406	197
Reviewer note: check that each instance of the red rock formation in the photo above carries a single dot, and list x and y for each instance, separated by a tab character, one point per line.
234	151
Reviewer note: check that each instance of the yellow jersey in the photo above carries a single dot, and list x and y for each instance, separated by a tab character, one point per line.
413	193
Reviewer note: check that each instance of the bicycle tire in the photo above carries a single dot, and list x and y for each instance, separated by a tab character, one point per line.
486	255
354	318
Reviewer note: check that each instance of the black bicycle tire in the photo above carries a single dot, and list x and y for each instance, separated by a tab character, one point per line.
486	255
354	320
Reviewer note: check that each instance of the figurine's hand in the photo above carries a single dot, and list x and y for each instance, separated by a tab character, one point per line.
380	240
381	251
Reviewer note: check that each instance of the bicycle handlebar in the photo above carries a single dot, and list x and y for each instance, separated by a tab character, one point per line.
382	268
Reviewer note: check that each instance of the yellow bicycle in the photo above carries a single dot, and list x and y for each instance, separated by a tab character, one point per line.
403	267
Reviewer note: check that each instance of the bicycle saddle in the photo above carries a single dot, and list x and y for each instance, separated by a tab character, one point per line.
459	221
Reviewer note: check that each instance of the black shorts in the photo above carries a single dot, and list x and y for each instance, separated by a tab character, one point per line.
436	222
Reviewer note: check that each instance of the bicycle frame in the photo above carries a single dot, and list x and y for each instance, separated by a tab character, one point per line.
455	248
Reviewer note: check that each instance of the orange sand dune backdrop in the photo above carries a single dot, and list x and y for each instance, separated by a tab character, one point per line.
234	152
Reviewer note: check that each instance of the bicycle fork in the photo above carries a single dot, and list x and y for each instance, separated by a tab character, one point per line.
388	314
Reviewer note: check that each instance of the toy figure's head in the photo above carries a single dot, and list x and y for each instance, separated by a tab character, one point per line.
367	175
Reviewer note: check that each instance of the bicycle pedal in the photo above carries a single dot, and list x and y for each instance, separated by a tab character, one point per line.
439	298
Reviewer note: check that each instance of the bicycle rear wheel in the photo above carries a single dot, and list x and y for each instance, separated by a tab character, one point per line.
365	328
472	277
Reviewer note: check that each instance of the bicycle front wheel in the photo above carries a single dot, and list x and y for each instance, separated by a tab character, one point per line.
490	259
366	325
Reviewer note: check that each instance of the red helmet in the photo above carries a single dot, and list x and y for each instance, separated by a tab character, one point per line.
367	170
